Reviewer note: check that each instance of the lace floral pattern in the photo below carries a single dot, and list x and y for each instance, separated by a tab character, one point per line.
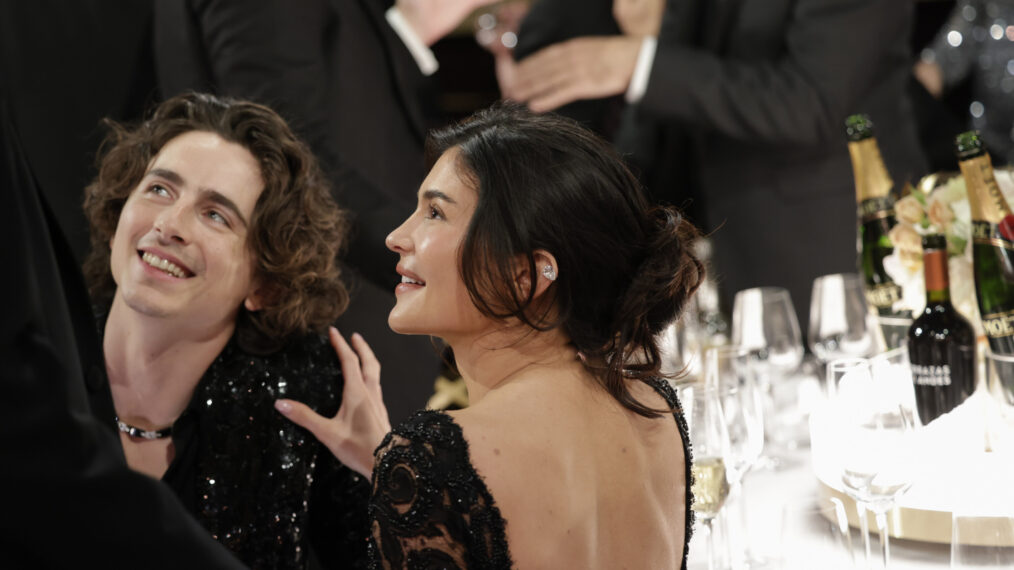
430	509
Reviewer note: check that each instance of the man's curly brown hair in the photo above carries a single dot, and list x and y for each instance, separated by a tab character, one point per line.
296	228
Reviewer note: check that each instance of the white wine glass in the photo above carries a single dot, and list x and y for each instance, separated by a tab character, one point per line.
875	419
841	324
764	323
709	438
727	368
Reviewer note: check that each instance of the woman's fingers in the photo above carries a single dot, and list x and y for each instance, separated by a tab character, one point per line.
301	415
370	364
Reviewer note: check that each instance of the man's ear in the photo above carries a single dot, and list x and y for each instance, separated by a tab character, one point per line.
255	300
546	272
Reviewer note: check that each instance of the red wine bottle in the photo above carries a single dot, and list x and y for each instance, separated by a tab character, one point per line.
941	342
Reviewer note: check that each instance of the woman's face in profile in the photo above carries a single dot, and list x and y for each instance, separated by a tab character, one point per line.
431	298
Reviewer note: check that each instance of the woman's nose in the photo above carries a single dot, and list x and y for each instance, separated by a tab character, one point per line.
399	240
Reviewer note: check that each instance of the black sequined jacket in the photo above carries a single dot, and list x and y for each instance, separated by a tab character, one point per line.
431	509
261	485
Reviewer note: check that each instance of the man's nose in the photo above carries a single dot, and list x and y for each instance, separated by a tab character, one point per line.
172	224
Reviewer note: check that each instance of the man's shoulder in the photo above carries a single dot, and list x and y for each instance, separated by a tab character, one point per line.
306	369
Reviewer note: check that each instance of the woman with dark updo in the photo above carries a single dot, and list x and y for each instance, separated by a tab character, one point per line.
535	255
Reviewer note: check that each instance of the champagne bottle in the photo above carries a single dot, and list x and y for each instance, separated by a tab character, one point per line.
992	243
941	342
876	218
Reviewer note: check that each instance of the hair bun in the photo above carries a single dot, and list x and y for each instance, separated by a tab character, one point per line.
667	277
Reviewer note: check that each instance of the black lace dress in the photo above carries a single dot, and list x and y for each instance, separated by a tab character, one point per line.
431	510
261	485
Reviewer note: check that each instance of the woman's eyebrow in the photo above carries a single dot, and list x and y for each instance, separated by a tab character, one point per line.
433	193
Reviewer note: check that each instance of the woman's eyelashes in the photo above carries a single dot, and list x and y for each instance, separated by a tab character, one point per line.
434	213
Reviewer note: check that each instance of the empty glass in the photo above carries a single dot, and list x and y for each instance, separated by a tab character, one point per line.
841	324
874	418
815	533
764	323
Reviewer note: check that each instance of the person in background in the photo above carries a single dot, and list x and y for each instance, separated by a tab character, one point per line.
534	253
355	78
977	44
213	270
748	99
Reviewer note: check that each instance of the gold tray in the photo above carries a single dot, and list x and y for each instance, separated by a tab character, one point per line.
911	523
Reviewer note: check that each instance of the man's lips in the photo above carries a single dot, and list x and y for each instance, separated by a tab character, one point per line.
165	263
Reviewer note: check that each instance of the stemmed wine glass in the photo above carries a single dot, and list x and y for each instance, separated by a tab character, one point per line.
727	368
875	418
841	324
709	438
764	323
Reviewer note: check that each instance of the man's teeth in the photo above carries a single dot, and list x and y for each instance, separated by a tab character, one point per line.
410	280
163	264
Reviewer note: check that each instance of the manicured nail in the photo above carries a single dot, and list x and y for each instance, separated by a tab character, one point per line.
283	406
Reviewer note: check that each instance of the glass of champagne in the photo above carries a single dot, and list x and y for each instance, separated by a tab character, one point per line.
726	368
709	438
841	324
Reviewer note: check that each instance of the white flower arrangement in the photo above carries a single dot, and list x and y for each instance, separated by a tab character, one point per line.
938	205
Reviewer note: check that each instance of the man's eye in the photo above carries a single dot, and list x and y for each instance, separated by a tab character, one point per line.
217	217
158	190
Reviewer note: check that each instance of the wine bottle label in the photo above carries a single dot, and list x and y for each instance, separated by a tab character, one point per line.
931	374
876	208
989	234
883	296
984	196
872	180
999	325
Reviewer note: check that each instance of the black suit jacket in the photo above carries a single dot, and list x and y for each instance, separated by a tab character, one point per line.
345	81
67	494
761	89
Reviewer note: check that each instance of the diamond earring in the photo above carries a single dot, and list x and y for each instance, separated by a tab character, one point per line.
549	273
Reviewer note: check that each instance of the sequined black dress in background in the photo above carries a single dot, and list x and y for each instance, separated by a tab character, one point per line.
430	509
261	485
977	42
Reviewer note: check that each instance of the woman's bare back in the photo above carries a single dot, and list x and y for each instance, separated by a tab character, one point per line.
581	481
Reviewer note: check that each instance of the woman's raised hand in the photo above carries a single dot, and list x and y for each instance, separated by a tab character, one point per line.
361	423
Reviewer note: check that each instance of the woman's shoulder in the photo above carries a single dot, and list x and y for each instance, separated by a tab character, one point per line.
429	503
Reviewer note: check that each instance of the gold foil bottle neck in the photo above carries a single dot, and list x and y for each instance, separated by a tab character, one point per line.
985	199
871	177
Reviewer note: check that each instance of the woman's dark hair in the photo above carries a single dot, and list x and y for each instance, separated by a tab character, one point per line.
295	232
626	268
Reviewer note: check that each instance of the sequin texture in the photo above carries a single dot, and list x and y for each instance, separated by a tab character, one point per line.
977	43
261	485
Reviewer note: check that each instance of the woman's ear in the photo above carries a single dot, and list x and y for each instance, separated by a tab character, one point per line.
546	272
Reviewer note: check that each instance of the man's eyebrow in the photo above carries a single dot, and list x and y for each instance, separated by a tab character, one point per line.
434	194
169	175
222	200
206	193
